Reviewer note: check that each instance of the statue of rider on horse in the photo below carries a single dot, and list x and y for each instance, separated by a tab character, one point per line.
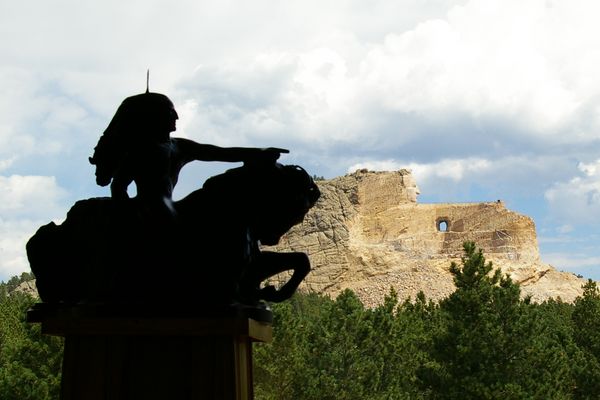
149	248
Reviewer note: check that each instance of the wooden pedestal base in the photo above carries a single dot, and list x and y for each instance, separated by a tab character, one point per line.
128	358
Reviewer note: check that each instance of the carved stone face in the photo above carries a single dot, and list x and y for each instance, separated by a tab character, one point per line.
412	190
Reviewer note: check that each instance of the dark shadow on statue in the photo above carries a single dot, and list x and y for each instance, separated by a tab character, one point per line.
201	250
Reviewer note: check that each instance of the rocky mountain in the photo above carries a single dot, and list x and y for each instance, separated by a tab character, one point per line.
368	233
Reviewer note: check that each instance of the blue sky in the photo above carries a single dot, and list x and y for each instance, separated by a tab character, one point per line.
483	100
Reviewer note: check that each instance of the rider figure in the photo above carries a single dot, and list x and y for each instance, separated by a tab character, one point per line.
137	147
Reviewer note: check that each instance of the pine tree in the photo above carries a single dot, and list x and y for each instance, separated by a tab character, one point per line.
30	363
586	326
490	343
281	368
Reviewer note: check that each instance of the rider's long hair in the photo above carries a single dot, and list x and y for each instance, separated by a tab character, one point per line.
134	118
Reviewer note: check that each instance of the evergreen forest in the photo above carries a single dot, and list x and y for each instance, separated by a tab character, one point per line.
482	342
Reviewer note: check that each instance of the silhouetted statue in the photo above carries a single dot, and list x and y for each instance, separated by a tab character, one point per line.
137	147
150	249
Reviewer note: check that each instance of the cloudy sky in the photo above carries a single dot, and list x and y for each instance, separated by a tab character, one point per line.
482	99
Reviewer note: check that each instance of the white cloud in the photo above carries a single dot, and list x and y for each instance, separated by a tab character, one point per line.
448	169
6	163
502	94
13	237
335	78
17	104
378	165
29	196
572	261
308	96
454	170
479	63
590	169
27	203
565	229
501	177
493	58
577	200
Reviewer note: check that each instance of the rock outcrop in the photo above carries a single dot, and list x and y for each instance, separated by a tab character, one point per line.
368	233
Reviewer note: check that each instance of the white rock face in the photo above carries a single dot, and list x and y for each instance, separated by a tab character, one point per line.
368	233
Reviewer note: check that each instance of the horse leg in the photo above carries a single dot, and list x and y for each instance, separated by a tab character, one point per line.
269	264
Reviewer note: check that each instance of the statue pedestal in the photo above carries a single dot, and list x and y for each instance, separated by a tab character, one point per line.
116	356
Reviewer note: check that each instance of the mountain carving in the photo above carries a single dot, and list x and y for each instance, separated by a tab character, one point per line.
368	233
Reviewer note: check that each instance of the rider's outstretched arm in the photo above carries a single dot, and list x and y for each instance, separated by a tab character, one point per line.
208	152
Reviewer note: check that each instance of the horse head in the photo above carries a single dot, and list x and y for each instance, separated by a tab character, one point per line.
268	199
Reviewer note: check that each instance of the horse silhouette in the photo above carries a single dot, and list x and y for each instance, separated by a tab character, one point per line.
116	250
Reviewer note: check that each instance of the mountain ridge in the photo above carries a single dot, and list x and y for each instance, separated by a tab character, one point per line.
368	233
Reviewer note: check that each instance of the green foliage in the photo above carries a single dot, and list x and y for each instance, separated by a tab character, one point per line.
586	319
280	367
337	349
13	283
30	362
586	334
484	341
475	352
495	345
